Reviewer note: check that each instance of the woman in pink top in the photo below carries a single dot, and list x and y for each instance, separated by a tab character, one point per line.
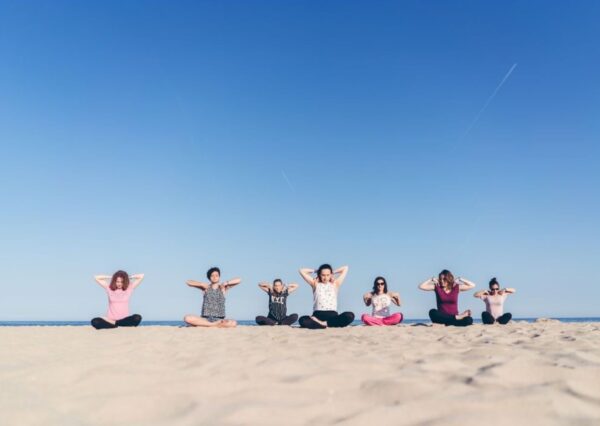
494	303
119	291
381	301
446	294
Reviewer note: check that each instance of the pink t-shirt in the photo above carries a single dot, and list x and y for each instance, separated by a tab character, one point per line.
118	303
494	304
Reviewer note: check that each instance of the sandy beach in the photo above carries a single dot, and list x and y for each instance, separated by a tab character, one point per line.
536	374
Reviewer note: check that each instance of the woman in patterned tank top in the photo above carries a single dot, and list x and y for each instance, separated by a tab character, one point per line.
325	287
213	306
381	300
278	294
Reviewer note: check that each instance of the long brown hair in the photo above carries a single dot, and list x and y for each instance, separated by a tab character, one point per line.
448	276
119	274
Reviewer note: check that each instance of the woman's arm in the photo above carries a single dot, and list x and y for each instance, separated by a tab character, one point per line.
480	294
266	287
510	290
396	298
231	283
135	280
103	280
428	285
464	284
341	273
197	284
367	298
306	274
292	288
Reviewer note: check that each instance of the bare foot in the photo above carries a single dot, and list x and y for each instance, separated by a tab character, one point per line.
465	314
323	323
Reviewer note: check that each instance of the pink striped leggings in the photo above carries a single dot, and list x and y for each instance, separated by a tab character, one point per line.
391	320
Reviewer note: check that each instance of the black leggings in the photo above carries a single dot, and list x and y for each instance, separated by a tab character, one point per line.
131	321
487	318
269	320
442	318
332	317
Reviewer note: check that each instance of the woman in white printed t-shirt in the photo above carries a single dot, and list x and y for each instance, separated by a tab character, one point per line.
325	287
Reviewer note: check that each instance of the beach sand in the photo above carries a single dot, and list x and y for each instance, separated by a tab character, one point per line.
541	373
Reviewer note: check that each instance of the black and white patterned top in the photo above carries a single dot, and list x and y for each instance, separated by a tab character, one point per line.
278	304
213	305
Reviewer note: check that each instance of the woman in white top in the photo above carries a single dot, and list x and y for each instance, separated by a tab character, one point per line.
494	303
325	287
381	300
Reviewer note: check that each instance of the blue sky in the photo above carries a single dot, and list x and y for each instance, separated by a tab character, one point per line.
156	137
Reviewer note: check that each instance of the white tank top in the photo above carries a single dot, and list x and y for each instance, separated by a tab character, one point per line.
325	297
381	305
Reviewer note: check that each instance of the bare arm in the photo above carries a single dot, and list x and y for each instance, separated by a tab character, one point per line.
197	284
465	285
232	283
135	280
480	294
103	280
510	290
292	288
396	298
341	273
266	287
428	285
306	274
367	298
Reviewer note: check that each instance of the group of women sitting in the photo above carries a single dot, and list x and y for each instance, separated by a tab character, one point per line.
325	283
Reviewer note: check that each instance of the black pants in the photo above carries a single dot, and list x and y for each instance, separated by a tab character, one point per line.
269	320
131	321
442	318
487	318
332	318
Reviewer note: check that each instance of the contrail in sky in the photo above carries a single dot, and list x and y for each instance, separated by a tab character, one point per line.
476	119
288	181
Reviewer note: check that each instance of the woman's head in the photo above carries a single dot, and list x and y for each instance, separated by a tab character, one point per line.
324	273
379	286
446	279
213	275
119	280
494	285
277	285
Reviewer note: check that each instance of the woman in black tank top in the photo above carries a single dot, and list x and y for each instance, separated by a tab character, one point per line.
278	294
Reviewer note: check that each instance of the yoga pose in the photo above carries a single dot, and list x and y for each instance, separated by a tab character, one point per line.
119	290
381	301
494	303
446	294
325	289
278	294
213	305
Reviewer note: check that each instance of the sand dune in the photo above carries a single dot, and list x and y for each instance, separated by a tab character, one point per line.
543	373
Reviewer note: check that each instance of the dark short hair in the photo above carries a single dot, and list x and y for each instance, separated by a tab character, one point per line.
211	270
494	281
277	280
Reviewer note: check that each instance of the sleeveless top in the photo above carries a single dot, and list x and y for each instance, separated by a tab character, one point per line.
325	297
118	303
277	304
213	305
447	303
381	305
494	304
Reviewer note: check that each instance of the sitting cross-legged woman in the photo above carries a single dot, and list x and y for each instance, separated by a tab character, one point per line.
381	300
118	288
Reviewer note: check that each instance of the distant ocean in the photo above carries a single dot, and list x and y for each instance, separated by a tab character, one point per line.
240	322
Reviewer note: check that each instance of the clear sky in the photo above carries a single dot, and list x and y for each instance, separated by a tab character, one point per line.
264	136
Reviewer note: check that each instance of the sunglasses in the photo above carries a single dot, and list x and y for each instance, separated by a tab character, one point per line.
495	289
380	283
